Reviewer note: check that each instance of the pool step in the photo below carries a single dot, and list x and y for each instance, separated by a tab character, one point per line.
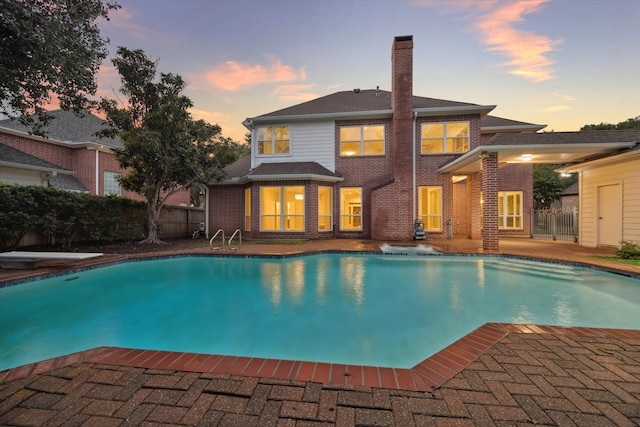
556	271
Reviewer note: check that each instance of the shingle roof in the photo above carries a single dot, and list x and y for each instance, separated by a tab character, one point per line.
67	127
292	168
571	190
67	182
498	122
364	100
584	137
13	155
242	169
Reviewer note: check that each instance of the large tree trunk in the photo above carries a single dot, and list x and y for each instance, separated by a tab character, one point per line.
153	216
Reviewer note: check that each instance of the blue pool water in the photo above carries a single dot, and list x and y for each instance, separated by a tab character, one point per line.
353	309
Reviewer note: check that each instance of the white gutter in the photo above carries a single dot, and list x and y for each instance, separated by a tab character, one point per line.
206	211
248	123
97	172
413	194
459	109
25	166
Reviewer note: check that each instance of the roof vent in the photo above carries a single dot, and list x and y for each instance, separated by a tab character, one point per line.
377	91
357	90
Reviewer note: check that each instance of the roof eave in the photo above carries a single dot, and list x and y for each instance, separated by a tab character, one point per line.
279	177
514	128
459	110
15	165
73	144
375	114
611	159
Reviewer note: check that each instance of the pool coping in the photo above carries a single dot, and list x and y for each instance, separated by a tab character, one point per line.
426	376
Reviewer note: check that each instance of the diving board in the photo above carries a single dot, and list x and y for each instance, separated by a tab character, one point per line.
25	259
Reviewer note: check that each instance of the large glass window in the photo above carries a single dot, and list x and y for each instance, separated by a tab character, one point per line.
247	209
112	184
510	210
449	137
362	140
351	209
282	208
430	207
325	208
273	140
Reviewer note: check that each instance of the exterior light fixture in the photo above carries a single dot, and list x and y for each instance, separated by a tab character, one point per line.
526	157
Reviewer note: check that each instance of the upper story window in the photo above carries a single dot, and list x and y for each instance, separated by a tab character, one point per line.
362	140
448	137
273	140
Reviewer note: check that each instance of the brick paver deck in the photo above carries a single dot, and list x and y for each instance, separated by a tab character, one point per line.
498	375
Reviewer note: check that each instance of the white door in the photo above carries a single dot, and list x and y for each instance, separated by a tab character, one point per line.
609	215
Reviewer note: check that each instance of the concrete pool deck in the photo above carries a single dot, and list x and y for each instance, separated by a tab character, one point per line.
497	375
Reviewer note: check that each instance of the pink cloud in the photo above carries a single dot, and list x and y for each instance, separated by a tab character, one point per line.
233	76
298	93
496	21
527	51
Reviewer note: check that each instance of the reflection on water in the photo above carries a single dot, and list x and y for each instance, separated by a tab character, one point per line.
565	314
294	271
522	314
352	274
481	274
271	278
321	280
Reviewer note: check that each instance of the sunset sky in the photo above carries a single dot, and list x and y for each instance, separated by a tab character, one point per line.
564	63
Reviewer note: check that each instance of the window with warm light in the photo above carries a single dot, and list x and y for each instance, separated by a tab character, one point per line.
282	208
362	140
112	184
350	209
247	209
449	137
273	140
510	210
430	207
325	208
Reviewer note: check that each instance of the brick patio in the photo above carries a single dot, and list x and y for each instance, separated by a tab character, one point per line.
523	375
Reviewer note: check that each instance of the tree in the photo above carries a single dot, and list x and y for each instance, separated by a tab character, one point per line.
629	124
164	149
548	184
49	47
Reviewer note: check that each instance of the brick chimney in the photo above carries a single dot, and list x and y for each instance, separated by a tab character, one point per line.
402	106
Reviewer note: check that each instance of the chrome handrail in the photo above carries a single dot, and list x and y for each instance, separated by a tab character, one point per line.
214	237
239	233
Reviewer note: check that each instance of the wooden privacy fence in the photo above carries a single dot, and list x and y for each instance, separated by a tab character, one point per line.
178	221
555	224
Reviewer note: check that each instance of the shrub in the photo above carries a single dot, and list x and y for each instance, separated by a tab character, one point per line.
628	250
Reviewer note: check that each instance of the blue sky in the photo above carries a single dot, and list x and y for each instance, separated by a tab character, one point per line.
564	63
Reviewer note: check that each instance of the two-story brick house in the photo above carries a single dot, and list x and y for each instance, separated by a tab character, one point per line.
366	163
71	157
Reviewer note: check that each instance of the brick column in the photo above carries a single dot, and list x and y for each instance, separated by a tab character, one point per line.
489	186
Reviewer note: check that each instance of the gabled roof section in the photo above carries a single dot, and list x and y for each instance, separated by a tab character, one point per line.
68	183
240	172
69	129
12	157
494	124
369	103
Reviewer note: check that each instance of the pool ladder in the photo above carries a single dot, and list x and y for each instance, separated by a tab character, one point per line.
239	234
217	248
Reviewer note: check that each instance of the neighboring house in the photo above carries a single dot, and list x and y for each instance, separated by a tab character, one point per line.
609	193
569	197
366	163
71	157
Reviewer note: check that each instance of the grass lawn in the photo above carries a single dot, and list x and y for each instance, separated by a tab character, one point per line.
621	260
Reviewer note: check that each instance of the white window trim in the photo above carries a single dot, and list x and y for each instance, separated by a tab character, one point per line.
282	215
351	215
273	142
104	183
421	214
444	137
361	127
330	210
503	225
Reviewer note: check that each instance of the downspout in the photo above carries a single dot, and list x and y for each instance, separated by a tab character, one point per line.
413	194
97	172
206	211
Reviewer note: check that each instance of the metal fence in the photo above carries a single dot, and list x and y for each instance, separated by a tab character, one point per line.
555	224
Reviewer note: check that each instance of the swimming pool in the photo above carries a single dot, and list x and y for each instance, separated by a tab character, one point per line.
378	310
